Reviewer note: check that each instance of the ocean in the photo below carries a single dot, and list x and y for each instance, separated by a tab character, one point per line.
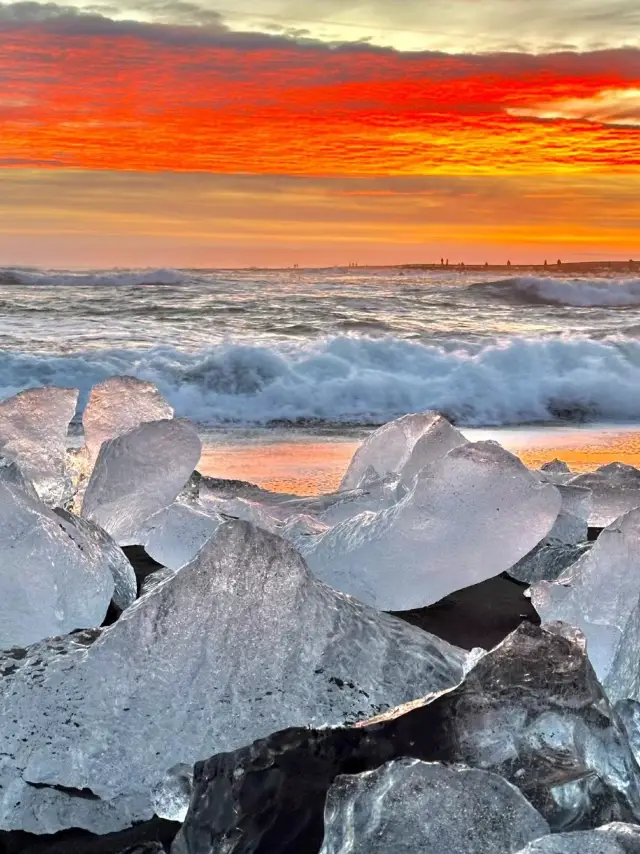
317	355
284	372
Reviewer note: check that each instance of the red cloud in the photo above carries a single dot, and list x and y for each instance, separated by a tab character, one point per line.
88	92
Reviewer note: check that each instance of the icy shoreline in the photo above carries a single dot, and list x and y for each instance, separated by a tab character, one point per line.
152	619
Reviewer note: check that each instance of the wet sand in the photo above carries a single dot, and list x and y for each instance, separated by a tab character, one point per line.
308	463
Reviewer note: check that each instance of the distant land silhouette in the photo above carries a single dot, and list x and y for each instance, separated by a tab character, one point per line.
630	266
555	267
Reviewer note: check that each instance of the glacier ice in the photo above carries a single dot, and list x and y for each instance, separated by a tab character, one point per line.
599	594
175	535
572	524
33	432
139	473
242	508
375	496
615	489
118	405
239	643
565	542
438	439
390	448
469	515
614	838
547	561
54	578
409	806
530	710
124	577
302	529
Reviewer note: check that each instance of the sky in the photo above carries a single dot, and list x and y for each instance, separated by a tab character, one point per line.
317	132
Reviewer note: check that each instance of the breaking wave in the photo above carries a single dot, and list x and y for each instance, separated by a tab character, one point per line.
360	380
596	293
121	278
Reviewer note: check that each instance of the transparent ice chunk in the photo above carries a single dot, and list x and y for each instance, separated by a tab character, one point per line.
468	516
547	561
118	405
530	710
241	642
54	578
33	432
598	594
615	489
175	535
138	474
614	838
124	577
408	806
391	447
572	524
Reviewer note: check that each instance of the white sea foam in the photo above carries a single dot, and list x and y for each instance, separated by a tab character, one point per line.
343	379
573	292
123	278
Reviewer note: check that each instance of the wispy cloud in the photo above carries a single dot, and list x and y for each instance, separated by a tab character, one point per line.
446	25
607	107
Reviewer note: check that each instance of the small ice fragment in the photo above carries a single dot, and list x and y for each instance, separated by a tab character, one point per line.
615	489
175	535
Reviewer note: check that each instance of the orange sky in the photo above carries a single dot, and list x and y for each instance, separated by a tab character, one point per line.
521	145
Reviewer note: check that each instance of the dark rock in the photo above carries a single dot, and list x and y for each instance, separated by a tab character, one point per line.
151	837
478	616
531	710
556	466
143	565
146	848
223	488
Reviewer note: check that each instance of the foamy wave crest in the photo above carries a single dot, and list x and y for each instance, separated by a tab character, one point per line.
121	278
573	292
356	380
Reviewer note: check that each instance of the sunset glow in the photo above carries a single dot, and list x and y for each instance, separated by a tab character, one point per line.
86	92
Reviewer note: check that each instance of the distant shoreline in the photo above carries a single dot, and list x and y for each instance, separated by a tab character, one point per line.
630	266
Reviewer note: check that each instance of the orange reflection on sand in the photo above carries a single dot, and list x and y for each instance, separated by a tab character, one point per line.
303	468
313	467
582	450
